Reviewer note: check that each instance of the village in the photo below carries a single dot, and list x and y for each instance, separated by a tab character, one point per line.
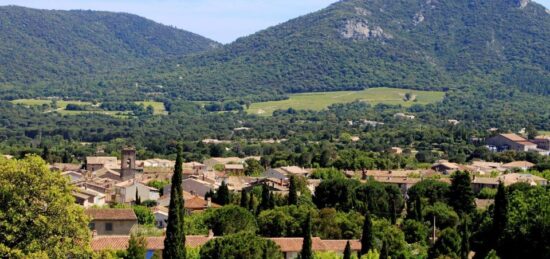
104	181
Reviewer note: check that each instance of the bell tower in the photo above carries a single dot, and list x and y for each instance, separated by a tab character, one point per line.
128	164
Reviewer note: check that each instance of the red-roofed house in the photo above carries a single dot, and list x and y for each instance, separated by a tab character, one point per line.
111	221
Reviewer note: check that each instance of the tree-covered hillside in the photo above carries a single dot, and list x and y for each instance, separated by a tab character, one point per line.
48	47
355	44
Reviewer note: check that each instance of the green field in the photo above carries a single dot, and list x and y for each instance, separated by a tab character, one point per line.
158	107
37	102
321	100
544	133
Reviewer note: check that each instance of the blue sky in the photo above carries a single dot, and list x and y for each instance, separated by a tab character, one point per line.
221	20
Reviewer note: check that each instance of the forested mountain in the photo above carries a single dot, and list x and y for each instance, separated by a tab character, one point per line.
353	44
40	46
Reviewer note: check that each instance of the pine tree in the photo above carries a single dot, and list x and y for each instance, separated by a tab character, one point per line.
174	242
292	191
367	237
347	251
465	245
461	194
137	247
499	214
244	199
137	199
306	252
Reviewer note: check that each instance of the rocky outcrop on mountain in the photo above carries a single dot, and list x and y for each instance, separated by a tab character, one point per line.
360	30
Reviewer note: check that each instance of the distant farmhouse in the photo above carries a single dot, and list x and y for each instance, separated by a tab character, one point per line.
503	142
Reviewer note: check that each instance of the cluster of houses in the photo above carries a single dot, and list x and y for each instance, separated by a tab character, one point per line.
106	180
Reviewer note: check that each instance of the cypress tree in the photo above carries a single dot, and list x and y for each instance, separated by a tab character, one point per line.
174	242
251	202
465	245
222	195
46	154
264	203
367	237
347	251
306	252
392	211
461	194
499	214
418	209
137	199
384	253
244	199
271	203
292	191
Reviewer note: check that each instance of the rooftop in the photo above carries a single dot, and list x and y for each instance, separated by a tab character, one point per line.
111	214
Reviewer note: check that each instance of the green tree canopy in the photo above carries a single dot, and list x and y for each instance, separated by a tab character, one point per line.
240	245
38	215
231	219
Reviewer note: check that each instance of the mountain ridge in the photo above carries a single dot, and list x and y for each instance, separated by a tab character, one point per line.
42	45
354	44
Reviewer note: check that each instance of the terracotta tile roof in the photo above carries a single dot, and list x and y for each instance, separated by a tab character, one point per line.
340	245
111	214
197	202
153	243
519	164
513	137
286	244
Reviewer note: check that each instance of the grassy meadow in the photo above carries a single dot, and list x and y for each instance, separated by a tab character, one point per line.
321	100
158	107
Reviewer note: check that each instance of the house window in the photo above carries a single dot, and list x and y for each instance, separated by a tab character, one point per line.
91	226
109	226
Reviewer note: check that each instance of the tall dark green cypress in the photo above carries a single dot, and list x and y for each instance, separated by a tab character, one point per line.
384	252
418	209
347	251
223	197
251	202
367	237
393	214
465	233
461	195
174	242
264	203
244	199
306	252
499	214
137	199
292	191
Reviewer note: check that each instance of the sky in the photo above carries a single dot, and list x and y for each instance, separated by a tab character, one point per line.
220	20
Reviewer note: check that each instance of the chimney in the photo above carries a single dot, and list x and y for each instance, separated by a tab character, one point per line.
210	233
209	202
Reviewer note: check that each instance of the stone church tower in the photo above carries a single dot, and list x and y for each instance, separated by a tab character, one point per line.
128	164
